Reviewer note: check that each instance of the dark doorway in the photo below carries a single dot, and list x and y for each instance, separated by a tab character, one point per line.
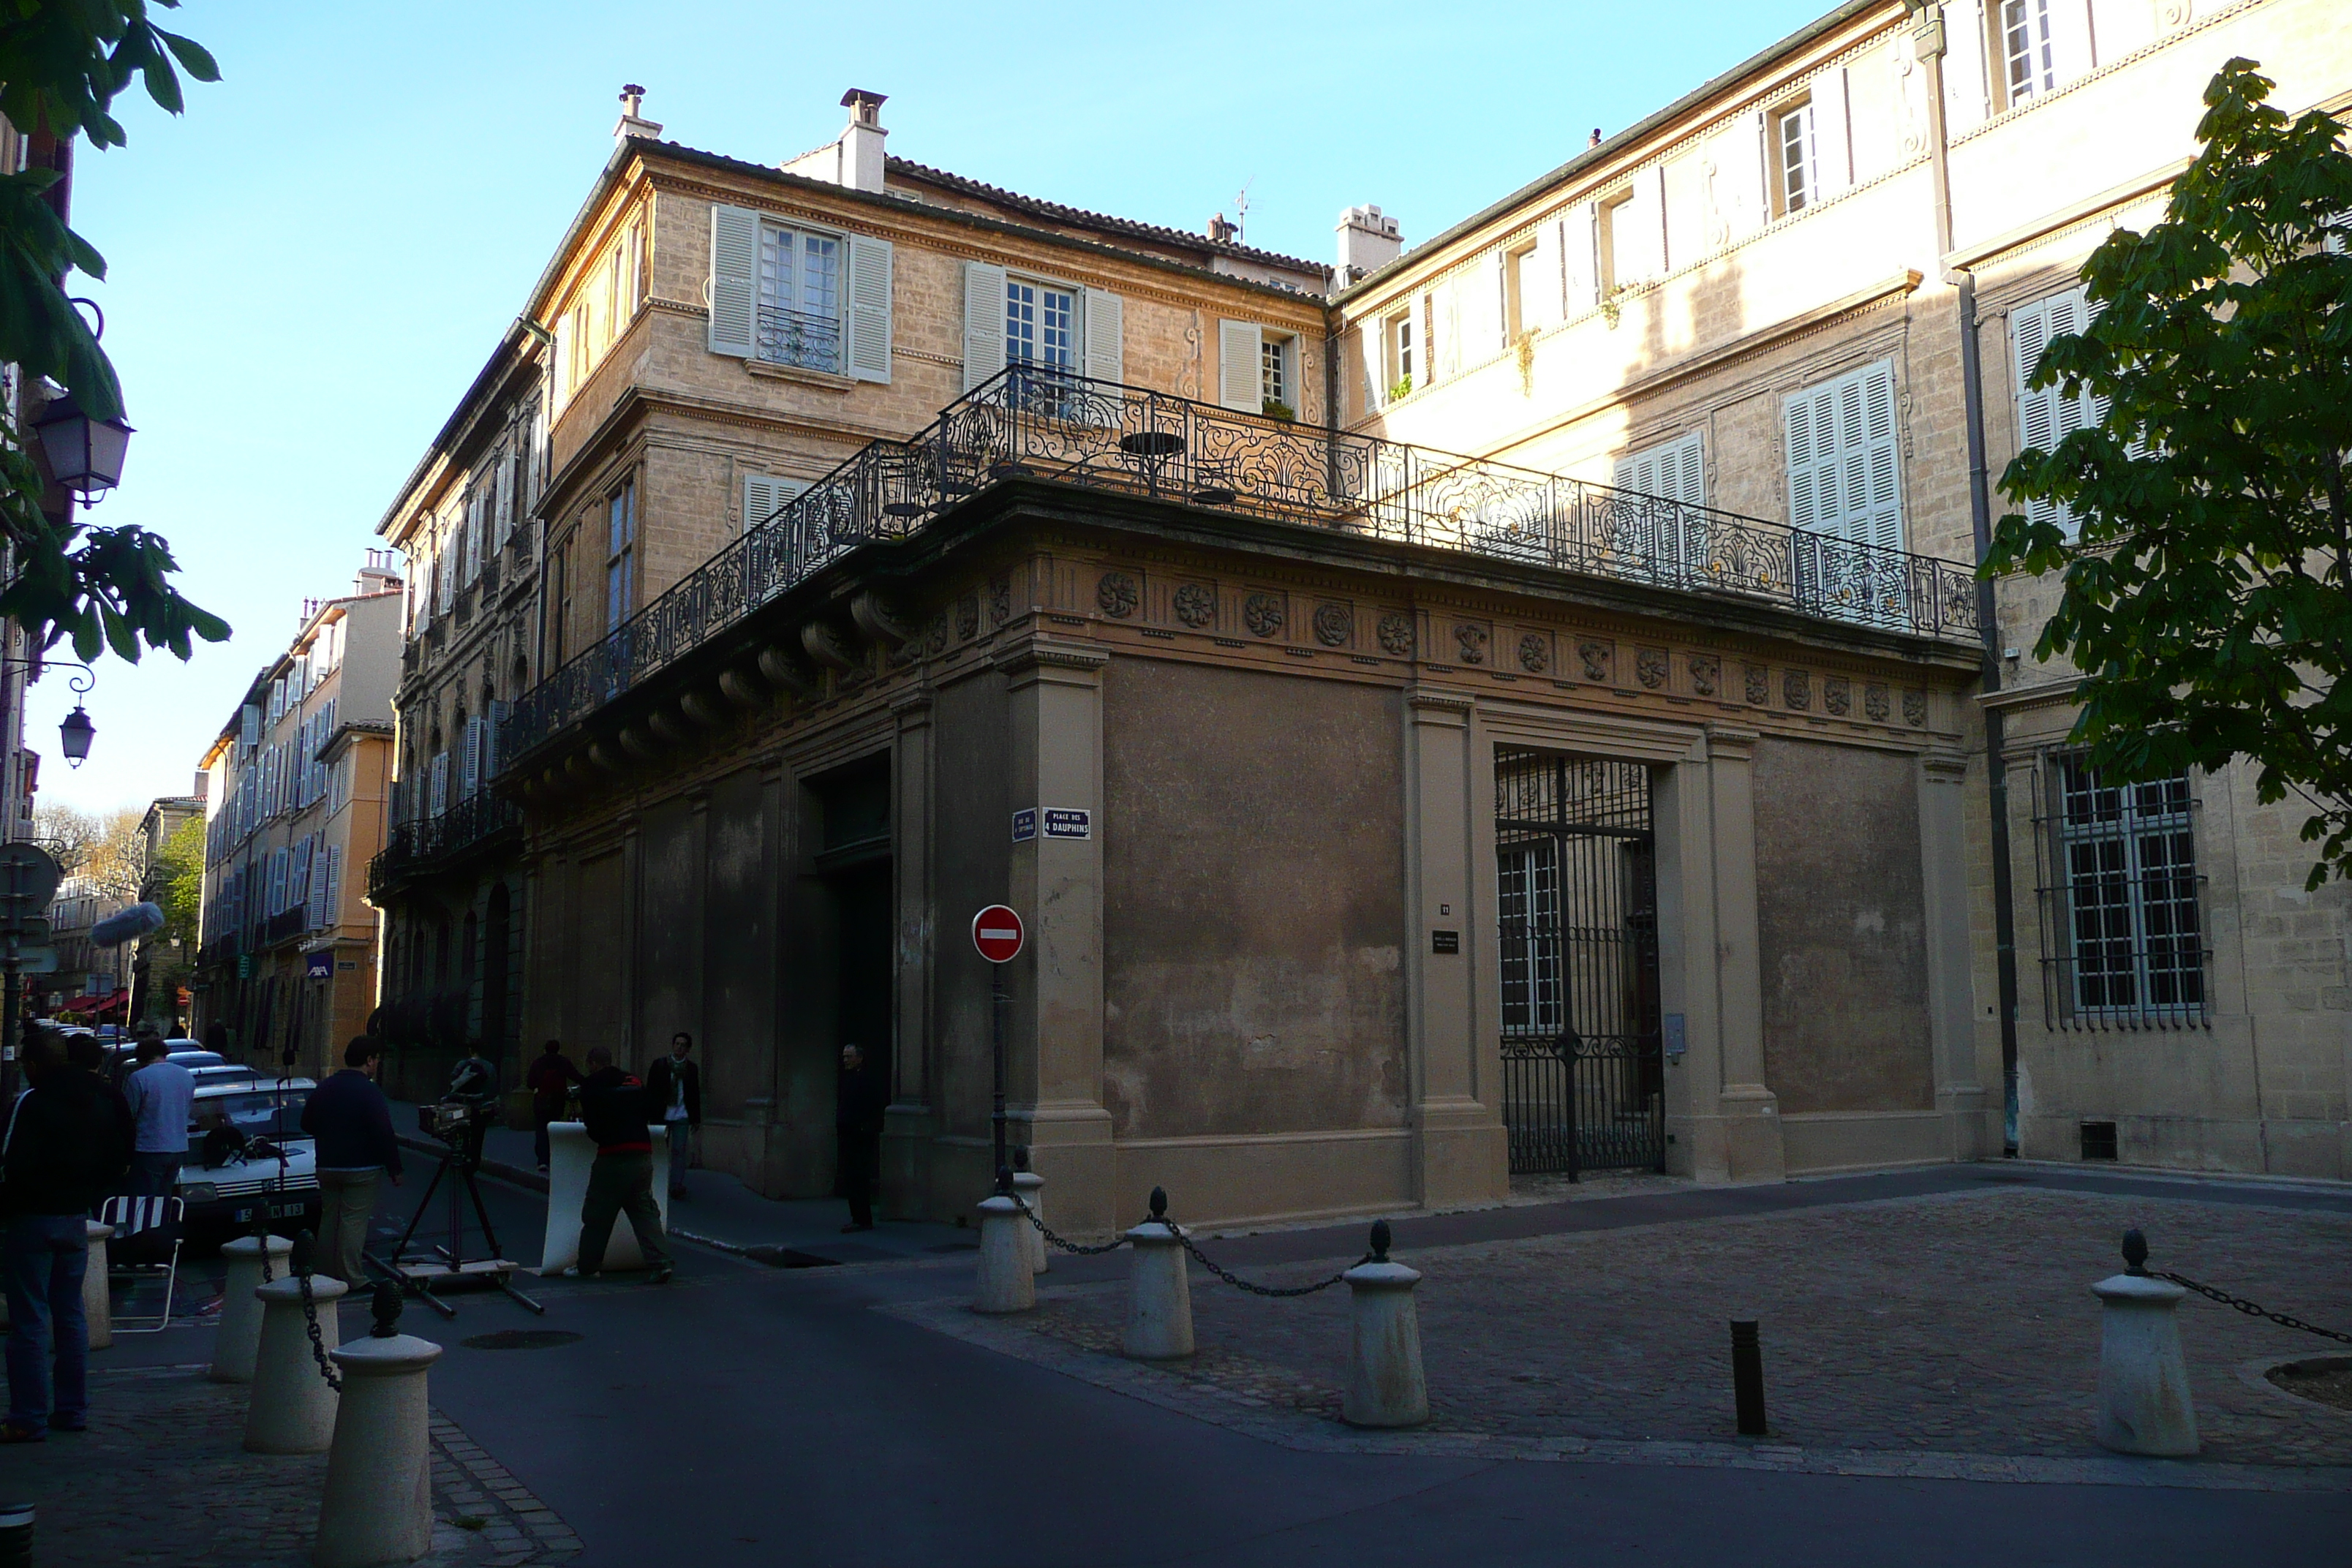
496	956
1576	862
855	865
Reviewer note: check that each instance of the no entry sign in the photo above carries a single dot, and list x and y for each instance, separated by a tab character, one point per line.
996	931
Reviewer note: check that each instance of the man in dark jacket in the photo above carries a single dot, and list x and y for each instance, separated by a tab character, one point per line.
352	1122
548	1079
857	1123
613	1111
673	1091
68	1145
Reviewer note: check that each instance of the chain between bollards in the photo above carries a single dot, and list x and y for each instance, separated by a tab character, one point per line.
303	1242
1379	1254
2135	1262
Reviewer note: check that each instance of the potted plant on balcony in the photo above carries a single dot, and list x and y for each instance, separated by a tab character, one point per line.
1274	408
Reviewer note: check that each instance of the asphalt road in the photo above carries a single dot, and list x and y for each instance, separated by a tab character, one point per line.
750	1416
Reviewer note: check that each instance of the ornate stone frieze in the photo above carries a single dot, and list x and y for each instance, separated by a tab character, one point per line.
1797	688
1196	605
1873	701
1914	708
1596	658
1116	595
1000	600
1471	640
968	616
1837	695
1262	614
1535	653
1334	624
1650	667
1706	673
1396	636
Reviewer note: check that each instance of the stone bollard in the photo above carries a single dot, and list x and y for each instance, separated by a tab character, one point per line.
239	1335
96	1300
1385	1386
1159	1291
379	1502
291	1410
2145	1407
1030	1188
1007	1283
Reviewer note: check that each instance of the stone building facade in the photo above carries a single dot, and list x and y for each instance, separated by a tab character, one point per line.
1814	289
294	795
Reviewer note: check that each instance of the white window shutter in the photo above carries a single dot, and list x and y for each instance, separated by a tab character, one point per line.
734	279
1878	516
439	797
983	322
1446	361
469	770
869	308
2047	416
1674	470
764	495
1805	420
1832	134
1106	336
330	908
1238	361
506	471
1844	458
1543	284
1371	353
1579	253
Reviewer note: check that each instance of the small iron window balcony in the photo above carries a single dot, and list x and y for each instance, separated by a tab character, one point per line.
797	338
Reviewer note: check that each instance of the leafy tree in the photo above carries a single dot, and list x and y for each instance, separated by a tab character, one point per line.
2208	599
62	64
180	865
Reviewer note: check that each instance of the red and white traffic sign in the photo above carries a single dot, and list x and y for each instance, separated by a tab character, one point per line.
996	931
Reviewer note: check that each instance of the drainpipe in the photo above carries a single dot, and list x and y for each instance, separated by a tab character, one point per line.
1928	47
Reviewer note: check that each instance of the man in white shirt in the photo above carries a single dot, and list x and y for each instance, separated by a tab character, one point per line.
159	1094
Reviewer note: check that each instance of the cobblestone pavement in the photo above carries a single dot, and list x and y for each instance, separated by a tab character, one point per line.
1953	1325
162	1480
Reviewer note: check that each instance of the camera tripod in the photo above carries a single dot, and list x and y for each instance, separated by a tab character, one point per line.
460	1126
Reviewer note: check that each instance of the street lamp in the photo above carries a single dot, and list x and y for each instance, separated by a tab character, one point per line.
74	736
85	454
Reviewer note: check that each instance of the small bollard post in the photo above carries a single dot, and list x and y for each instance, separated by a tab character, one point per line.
378	1506
17	1535
1385	1386
2144	1404
1748	1377
239	1337
96	1300
291	1409
1030	1188
1007	1283
1159	1291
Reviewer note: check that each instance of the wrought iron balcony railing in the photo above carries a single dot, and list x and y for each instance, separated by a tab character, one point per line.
797	338
430	843
1054	424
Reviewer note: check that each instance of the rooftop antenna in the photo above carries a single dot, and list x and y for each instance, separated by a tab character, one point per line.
1241	209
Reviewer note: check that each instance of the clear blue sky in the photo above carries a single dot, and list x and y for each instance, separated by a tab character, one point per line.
308	266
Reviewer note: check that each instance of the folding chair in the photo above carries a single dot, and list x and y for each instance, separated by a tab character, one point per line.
158	1220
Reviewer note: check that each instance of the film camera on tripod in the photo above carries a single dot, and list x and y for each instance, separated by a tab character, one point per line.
459	1119
463	1114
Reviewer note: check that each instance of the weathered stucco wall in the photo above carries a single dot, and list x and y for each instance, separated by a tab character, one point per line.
1840	929
1253	867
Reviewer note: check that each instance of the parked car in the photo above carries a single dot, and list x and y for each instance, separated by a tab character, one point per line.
238	1129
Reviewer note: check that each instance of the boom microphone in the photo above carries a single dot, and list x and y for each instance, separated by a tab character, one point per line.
129	925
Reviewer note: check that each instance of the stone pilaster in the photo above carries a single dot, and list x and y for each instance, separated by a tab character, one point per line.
912	1119
1951	1021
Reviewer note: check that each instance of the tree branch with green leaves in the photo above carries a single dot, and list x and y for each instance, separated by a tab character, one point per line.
2207	595
62	65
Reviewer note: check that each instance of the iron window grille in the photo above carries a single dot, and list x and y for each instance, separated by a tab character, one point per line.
2121	900
799	299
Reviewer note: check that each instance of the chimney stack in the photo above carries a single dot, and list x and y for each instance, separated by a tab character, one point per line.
1368	242
378	576
632	121
862	139
1224	232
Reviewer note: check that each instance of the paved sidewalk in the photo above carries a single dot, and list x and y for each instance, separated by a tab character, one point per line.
1959	1324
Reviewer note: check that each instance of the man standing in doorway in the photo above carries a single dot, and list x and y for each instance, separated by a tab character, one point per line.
612	1109
352	1124
159	1095
675	1085
857	1120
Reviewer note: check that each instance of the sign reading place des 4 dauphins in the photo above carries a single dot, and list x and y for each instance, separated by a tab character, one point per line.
1060	822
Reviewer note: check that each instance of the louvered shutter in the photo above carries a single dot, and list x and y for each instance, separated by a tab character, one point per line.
1844	468
494	723
1810	444
1832	136
1369	353
869	308
1238	361
470	767
1105	330
439	799
1580	256
2046	416
1543	285
335	900
983	322
506	472
764	495
734	279
1446	362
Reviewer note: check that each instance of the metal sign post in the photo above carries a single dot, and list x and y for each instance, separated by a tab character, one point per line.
998	934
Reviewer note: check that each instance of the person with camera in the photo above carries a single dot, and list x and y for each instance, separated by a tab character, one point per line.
67	1146
674	1088
355	1149
613	1110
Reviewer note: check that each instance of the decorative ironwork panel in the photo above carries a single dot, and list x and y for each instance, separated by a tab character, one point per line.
1583	1074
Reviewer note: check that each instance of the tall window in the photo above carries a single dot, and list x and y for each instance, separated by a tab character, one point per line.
1401	359
1273	371
2128	941
2028	59
1797	173
1527	898
1041	325
621	554
799	299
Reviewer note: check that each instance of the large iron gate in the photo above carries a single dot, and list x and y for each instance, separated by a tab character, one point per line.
1583	1081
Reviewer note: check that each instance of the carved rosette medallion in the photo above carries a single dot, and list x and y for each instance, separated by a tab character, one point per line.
1196	606
1594	656
1759	685
1914	708
1837	695
1472	643
1334	624
1535	653
1000	600
1706	671
1396	636
1650	667
1262	612
1117	594
1873	701
967	615
1797	688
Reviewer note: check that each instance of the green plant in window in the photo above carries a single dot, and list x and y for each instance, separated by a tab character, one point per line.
1275	408
1400	387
